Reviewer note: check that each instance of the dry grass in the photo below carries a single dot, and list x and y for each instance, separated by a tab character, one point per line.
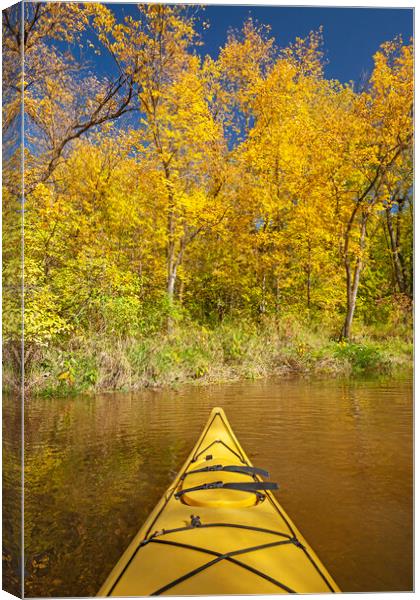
192	353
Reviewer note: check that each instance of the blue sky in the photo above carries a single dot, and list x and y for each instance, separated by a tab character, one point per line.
351	35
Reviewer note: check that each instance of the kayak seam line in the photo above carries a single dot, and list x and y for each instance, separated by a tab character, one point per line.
317	568
271	498
226	556
241	458
233	436
228	428
203	435
280	511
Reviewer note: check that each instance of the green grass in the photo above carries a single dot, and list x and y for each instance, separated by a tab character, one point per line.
195	354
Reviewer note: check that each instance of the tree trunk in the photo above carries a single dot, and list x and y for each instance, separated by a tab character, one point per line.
308	270
263	292
170	288
175	257
353	279
308	287
388	247
407	284
277	308
170	250
397	259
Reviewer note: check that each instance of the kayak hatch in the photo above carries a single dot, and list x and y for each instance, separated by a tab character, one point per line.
218	530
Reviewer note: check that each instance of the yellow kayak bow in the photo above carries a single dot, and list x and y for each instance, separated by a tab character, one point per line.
218	530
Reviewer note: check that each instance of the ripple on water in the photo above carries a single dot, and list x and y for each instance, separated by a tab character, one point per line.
341	450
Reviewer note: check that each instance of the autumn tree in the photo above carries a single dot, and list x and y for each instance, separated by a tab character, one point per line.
284	178
380	144
61	100
177	127
244	186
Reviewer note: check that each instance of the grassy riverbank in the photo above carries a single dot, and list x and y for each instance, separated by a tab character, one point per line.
228	352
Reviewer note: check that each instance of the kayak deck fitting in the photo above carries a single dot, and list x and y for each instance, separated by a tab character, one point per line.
218	530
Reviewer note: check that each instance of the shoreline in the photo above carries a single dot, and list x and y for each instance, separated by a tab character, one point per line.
396	373
198	356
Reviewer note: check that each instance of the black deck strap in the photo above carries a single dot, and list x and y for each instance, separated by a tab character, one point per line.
219	557
289	539
158	534
209	525
244	469
240	486
251	486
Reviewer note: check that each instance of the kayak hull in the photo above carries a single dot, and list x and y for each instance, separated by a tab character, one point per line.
218	539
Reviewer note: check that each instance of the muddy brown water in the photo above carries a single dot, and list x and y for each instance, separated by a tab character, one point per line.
96	466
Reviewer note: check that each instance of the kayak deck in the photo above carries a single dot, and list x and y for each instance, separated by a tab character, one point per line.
218	530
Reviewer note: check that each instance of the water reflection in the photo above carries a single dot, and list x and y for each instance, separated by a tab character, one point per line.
11	497
341	451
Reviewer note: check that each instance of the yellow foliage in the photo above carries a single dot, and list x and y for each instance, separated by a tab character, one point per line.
244	182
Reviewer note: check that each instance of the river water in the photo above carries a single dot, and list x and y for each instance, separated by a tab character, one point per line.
341	451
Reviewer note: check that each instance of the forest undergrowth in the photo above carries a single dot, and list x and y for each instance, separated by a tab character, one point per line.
231	351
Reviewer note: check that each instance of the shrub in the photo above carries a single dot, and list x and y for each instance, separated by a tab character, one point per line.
362	357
